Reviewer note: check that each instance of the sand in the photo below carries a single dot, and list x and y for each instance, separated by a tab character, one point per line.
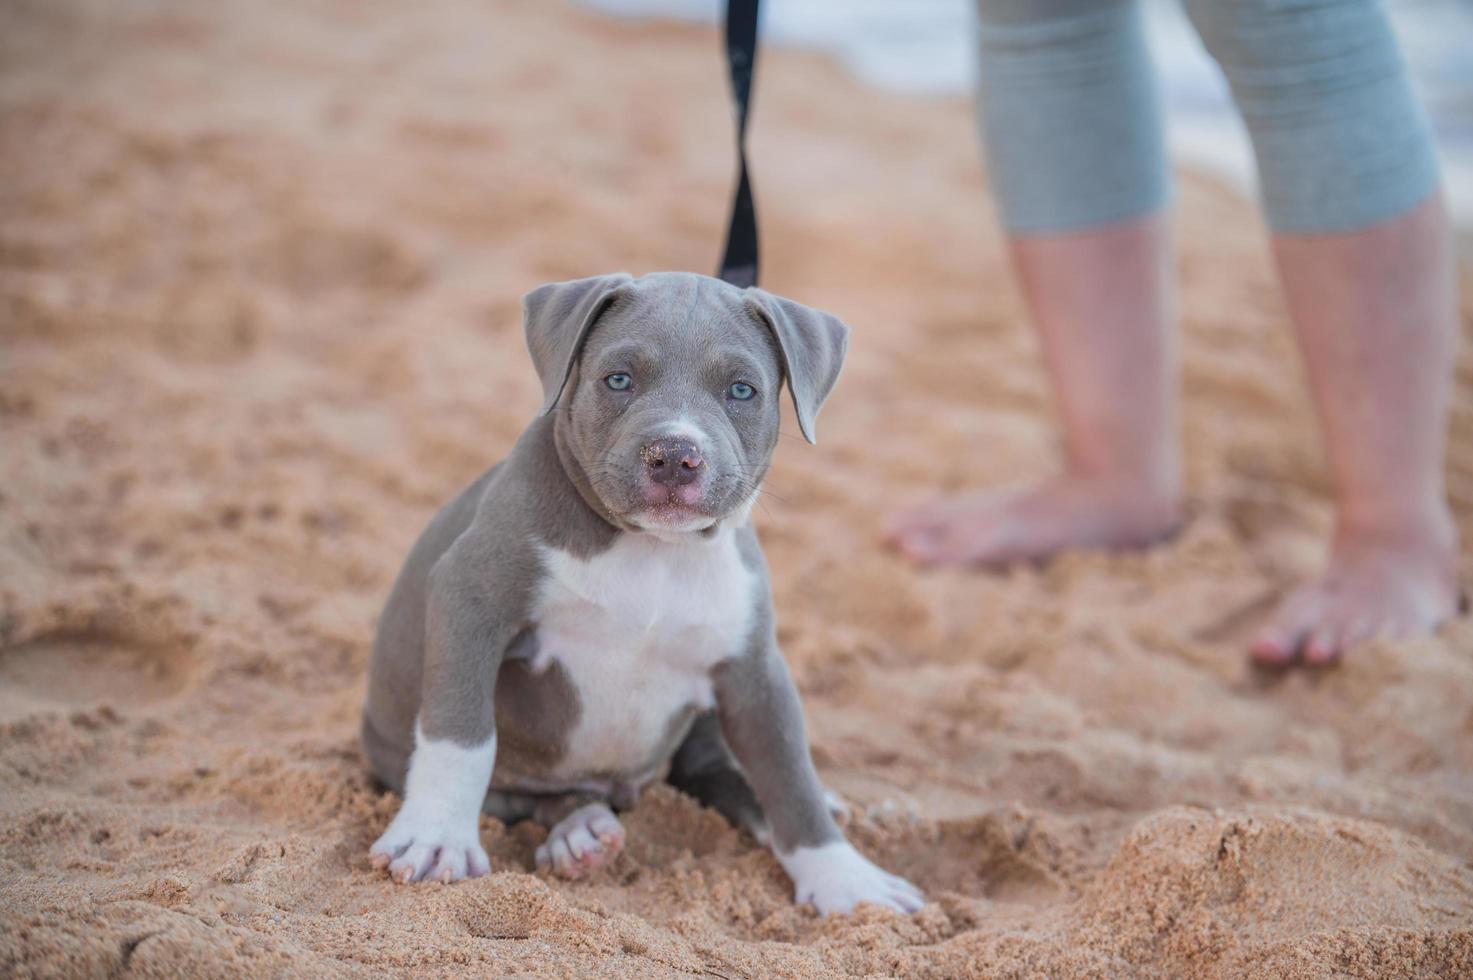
260	272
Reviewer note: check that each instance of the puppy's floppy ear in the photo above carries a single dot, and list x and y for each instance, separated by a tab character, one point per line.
812	343
557	318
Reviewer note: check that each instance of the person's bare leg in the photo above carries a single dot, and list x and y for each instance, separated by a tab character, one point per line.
1375	314
1102	301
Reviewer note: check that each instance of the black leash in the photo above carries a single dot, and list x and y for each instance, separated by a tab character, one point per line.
739	262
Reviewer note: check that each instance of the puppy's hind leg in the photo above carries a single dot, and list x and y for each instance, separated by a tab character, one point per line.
387	760
583	834
704	768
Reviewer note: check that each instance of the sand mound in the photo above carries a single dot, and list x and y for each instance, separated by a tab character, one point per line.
259	281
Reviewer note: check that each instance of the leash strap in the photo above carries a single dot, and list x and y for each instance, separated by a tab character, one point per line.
739	261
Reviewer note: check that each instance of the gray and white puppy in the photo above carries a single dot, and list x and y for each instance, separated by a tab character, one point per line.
593	613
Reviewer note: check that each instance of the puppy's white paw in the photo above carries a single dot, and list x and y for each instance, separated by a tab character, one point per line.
415	848
836	878
588	838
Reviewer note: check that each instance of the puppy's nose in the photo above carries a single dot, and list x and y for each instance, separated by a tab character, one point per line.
673	462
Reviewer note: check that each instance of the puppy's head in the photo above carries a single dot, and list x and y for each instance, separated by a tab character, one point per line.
667	388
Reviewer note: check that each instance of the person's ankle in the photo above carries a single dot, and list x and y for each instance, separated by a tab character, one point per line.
1150	498
1429	527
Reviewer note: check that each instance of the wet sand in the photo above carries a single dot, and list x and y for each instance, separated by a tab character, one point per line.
260	274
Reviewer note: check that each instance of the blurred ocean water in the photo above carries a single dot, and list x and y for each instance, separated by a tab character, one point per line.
925	47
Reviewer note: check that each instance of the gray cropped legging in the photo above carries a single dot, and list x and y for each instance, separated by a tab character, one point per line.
1072	122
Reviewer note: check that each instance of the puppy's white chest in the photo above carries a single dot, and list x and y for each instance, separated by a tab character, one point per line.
637	629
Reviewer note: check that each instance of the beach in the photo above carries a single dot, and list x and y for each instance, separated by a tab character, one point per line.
261	270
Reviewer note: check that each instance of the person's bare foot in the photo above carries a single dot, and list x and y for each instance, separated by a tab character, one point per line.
1377	585
1033	523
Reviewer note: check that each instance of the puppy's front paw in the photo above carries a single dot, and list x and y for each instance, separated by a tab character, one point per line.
836	878
419	849
588	838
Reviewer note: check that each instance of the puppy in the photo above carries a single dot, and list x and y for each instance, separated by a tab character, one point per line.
594	613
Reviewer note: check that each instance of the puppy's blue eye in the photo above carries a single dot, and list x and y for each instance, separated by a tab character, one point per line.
741	391
619	382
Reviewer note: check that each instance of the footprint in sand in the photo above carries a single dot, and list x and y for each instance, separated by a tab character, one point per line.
68	670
